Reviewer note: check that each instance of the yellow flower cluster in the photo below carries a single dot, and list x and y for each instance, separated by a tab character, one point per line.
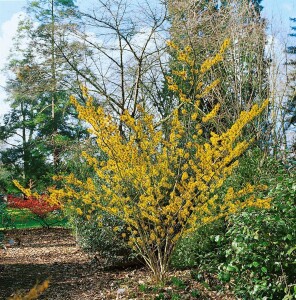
210	62
53	200
181	74
172	45
208	89
34	293
25	191
212	113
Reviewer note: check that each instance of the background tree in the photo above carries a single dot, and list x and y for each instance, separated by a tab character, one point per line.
5	178
118	53
204	25
51	16
41	115
291	104
24	150
23	157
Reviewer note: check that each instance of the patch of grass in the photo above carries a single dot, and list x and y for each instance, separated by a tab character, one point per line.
25	219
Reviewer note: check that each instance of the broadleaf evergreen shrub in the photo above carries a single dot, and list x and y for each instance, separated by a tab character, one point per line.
99	238
202	249
260	246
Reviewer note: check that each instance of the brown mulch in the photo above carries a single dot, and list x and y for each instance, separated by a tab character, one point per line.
39	254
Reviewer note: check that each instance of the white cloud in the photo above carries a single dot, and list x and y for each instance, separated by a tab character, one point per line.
7	32
287	6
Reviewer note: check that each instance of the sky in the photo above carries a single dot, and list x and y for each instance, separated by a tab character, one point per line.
277	13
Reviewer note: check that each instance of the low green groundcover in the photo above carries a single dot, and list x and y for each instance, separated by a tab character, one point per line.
23	218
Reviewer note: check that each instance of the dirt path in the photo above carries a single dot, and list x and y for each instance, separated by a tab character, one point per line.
53	254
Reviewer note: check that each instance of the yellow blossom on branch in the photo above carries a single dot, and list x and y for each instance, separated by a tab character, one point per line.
34	292
211	114
210	62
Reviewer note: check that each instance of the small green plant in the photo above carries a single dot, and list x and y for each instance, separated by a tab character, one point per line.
290	292
195	293
202	249
254	250
143	288
175	297
101	239
178	283
160	296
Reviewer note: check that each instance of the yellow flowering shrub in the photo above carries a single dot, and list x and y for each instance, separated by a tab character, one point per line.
162	184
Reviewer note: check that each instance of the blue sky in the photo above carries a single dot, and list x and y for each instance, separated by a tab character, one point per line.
278	8
8	8
276	11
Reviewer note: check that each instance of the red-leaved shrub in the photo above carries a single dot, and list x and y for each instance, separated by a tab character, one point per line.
39	207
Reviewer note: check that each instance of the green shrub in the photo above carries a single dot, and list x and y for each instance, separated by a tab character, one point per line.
100	239
261	253
202	249
5	218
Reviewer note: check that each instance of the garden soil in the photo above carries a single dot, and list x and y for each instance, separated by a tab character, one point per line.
38	254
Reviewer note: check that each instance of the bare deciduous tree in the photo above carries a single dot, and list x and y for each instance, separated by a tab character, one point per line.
118	53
